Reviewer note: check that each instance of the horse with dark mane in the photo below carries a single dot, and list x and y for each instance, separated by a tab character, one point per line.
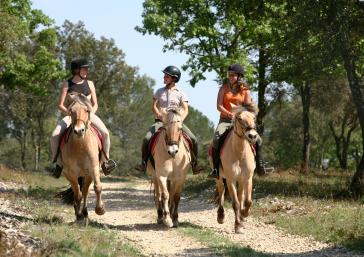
80	157
237	165
172	160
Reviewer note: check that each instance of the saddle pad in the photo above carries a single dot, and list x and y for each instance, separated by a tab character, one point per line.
66	134
222	147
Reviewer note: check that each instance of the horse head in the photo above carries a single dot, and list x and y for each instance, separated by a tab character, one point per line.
172	120
244	122
80	109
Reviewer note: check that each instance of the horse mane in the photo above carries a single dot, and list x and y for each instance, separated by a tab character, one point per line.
81	99
252	108
172	112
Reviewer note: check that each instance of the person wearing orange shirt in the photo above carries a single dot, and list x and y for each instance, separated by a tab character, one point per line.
234	91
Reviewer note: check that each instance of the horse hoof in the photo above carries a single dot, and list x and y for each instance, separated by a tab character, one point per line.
220	220
239	229
175	223
168	222
100	210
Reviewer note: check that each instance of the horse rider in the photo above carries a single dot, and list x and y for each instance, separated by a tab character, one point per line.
165	97
234	91
79	84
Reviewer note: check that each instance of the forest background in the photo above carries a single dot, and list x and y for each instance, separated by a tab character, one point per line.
304	60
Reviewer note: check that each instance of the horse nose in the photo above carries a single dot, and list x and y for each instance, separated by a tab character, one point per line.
79	132
252	136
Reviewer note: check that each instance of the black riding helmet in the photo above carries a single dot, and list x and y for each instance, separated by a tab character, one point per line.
173	71
237	68
77	64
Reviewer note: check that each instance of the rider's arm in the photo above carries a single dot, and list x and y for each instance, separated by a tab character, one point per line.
93	97
184	107
62	97
247	99
155	109
220	102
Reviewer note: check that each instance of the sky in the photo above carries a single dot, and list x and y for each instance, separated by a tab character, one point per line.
117	19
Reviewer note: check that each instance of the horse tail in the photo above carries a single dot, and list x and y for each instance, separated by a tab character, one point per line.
67	195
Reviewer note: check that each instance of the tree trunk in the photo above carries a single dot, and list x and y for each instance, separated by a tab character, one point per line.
347	54
262	85
305	92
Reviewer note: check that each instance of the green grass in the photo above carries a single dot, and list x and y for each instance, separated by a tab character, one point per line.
48	217
220	245
75	240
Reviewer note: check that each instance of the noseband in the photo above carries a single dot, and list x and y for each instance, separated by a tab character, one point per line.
245	129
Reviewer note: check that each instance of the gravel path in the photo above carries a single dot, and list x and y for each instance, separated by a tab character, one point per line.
130	210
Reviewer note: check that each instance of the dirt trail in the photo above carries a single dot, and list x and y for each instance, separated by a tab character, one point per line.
131	211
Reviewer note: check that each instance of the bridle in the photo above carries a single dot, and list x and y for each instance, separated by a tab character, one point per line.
245	129
173	142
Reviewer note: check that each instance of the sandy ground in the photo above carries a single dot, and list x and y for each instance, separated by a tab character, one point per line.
131	212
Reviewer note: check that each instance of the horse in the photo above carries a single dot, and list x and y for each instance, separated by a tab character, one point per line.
237	165
172	160
80	157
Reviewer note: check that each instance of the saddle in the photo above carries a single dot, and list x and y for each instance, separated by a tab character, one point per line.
64	137
154	139
222	141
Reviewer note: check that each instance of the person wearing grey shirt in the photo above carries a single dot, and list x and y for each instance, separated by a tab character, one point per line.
165	97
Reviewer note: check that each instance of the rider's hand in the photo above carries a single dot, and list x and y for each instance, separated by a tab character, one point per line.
230	115
159	116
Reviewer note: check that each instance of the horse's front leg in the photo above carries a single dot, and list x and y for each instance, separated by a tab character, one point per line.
175	196
247	197
158	200
77	196
167	221
95	173
86	185
221	194
236	206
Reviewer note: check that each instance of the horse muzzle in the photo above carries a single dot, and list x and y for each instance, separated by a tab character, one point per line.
172	150
79	131
252	136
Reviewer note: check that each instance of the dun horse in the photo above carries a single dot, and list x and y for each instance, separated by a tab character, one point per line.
172	161
237	165
80	157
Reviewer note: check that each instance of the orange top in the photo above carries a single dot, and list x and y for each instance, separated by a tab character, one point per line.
230	97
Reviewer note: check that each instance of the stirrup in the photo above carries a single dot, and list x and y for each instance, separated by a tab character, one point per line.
213	174
108	166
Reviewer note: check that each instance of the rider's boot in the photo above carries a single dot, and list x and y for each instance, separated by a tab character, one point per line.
108	166
57	171
216	163
196	169
142	167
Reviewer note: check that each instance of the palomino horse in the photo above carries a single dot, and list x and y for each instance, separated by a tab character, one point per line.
237	165
172	160
80	157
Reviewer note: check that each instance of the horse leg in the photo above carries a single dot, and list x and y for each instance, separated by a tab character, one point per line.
176	197
158	201
86	185
247	197
221	191
99	209
236	206
77	196
167	221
